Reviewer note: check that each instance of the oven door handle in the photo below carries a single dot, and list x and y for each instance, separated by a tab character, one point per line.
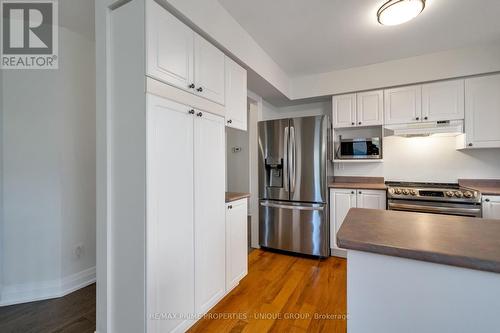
434	209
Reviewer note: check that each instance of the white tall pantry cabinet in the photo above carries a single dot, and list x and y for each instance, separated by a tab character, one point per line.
166	171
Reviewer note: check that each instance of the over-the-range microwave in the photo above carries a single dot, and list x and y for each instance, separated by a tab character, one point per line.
359	148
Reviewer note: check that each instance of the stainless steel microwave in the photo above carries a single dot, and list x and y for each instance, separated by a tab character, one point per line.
359	148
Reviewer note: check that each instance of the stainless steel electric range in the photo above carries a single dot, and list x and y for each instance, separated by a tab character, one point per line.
435	198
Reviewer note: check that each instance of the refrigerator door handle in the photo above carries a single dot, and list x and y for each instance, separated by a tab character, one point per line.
292	159
285	160
293	207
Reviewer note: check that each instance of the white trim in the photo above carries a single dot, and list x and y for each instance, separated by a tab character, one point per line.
30	292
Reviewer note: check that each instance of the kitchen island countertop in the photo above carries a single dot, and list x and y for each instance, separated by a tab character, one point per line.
449	240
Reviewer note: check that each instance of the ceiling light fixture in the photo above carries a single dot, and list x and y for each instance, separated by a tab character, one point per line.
395	12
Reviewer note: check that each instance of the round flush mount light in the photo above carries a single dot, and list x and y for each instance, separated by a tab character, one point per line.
395	12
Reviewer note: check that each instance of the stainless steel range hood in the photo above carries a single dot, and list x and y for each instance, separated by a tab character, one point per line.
435	128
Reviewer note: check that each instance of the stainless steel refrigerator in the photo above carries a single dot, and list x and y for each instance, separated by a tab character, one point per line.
293	194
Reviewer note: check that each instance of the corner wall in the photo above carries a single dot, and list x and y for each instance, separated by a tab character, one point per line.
48	171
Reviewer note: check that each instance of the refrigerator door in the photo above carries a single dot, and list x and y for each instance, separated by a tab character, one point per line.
273	160
307	159
295	227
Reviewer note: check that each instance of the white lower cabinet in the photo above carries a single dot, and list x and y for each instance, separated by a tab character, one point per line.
236	242
491	207
342	200
185	228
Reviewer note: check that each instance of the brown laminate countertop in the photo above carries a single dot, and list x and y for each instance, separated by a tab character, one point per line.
365	183
233	196
485	186
449	240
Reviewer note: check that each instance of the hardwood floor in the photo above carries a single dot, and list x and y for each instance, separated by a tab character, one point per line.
283	293
73	313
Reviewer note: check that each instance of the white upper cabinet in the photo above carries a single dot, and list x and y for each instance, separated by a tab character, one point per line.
403	105
236	242
209	70
372	199
491	207
170	48
443	100
482	112
236	95
370	108
178	56
344	110
209	210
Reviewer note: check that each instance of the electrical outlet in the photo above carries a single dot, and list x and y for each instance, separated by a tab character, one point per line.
79	251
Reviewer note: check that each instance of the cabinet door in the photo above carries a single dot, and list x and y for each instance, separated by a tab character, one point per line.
482	111
170	216
236	95
403	105
209	203
209	70
170	48
491	207
370	108
344	110
340	203
236	242
371	199
443	100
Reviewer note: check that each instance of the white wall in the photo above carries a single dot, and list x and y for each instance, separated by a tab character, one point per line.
430	67
49	166
427	159
238	164
270	111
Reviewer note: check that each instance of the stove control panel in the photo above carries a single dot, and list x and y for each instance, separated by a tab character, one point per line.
434	194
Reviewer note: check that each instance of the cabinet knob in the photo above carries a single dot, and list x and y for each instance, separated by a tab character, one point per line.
487	200
359	123
229	121
200	89
425	118
230	207
199	114
418	118
360	192
352	192
191	111
353	123
191	86
470	144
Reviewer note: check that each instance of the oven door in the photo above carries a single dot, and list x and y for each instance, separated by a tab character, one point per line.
445	208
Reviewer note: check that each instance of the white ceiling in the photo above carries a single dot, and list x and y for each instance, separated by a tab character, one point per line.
315	36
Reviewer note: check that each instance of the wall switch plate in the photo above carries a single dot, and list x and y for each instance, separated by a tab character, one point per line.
236	149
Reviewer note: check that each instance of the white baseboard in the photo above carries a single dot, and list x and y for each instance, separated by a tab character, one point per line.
30	292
